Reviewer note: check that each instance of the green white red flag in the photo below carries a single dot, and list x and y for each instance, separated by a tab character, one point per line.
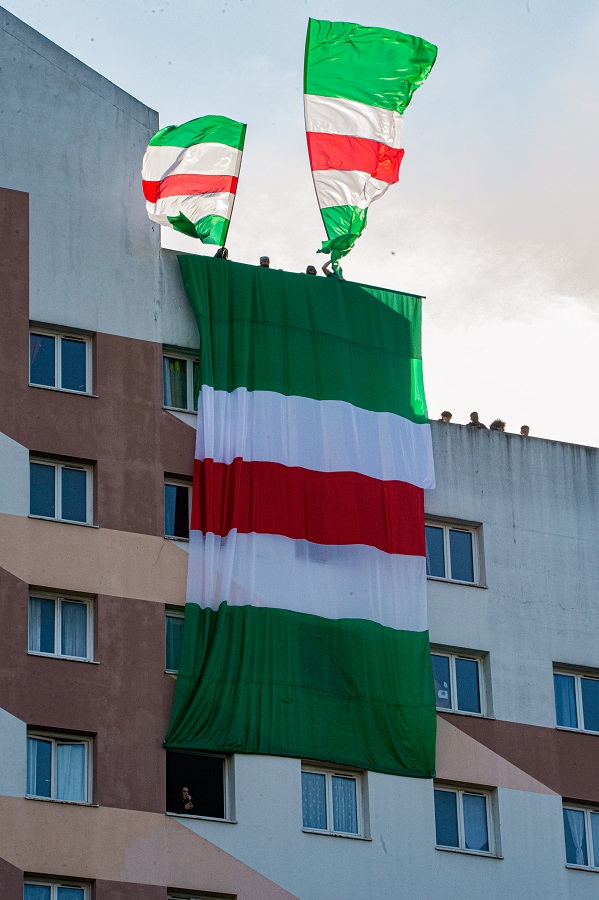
190	174
358	82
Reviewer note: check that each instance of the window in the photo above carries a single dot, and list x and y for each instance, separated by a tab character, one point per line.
180	382
459	684
60	361
576	700
177	508
175	619
54	890
463	820
61	626
581	831
451	552
59	767
60	491
332	801
198	784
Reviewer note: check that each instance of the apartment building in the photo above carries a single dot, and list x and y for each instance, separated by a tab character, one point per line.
97	353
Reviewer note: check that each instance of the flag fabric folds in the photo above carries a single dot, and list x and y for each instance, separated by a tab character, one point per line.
190	174
357	82
305	623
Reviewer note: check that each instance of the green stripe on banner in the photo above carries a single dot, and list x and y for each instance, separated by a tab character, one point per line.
321	689
344	225
374	66
259	326
210	229
207	129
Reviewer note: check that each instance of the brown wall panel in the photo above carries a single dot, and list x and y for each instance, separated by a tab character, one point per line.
121	890
565	761
11	881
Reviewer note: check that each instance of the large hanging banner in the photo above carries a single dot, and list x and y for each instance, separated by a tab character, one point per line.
306	624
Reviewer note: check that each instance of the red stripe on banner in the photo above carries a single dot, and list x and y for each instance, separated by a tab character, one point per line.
354	154
321	507
185	185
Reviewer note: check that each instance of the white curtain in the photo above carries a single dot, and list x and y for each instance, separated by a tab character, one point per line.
175	382
70	772
576	854
565	701
476	835
314	803
39	756
73	629
344	805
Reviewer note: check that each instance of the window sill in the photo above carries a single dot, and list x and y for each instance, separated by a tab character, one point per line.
63	802
460	712
582	868
49	387
202	818
190	412
469	852
62	521
336	834
172	537
577	731
454	581
90	662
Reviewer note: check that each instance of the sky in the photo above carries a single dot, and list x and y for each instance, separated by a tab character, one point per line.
495	218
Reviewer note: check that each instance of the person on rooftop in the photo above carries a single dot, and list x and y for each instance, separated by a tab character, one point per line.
497	425
474	421
525	430
265	262
311	270
221	253
446	416
330	273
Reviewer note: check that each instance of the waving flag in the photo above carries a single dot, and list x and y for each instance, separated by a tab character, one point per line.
190	173
357	82
306	624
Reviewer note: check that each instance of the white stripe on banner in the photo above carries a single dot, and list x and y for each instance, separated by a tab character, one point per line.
330	115
335	582
323	435
195	207
201	159
338	188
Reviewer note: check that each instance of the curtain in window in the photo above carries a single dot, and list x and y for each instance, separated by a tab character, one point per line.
590	703
575	833
595	838
69	893
70	772
476	836
314	804
39	760
41	625
344	805
175	382
36	892
174	638
73	629
565	701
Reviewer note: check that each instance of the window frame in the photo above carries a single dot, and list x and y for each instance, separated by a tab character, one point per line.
174	612
58	466
490	809
472	528
190	358
56	738
588	811
177	482
54	884
578	675
59	335
59	598
228	790
330	772
480	658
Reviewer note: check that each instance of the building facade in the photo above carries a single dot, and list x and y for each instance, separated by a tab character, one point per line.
96	458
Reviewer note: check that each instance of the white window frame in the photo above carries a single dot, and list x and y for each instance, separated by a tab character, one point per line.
489	796
329	773
479	658
577	675
472	529
54	884
190	359
587	810
178	482
228	790
58	466
55	738
58	338
175	613
59	599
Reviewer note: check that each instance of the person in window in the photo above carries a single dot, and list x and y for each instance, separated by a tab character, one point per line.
446	416
186	800
497	425
474	421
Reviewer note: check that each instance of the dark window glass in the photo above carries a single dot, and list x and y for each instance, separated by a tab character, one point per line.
204	778
41	359
565	701
196	384
576	839
73	369
176	510
36	892
446	818
67	893
441	679
595	838
435	553
476	835
590	703
467	686
74	495
174	639
41	624
41	490
460	548
314	801
39	760
174	372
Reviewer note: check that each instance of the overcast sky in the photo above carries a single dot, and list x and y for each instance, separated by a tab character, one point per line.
495	218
